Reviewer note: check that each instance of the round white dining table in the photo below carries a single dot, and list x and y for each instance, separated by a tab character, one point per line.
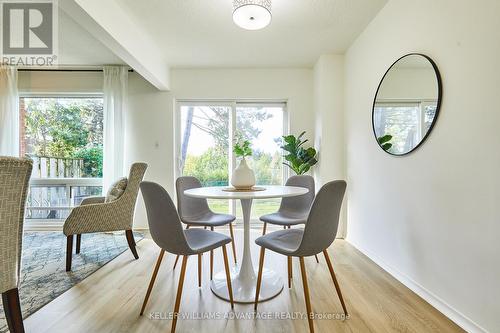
244	276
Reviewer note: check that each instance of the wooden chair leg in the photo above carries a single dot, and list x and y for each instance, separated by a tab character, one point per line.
69	252
316	256
211	260
177	257
259	277
131	243
12	309
335	282
152	282
175	262
228	276
306	294
200	258
232	243
78	243
264	228
289	272
179	293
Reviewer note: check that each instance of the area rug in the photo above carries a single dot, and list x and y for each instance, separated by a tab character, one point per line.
43	272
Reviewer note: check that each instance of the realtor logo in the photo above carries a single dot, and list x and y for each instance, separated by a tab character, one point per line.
29	32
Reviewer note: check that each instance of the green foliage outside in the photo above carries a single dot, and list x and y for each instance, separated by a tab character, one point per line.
66	128
214	121
267	168
210	168
92	160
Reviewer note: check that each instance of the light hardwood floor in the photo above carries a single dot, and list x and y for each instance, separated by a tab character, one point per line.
110	300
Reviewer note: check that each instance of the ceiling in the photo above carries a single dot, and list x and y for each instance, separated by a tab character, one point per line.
78	47
200	33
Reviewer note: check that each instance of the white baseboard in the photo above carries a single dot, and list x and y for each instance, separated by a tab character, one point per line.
443	307
55	225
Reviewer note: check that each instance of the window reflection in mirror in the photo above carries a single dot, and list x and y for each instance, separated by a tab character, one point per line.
406	104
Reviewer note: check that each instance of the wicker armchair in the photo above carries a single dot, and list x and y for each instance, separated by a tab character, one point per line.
94	215
14	178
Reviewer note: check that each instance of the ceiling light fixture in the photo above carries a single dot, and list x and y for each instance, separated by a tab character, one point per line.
252	14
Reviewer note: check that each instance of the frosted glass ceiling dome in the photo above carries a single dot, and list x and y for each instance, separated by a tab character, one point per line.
252	14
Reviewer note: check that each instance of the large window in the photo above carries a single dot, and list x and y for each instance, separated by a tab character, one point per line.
63	136
207	131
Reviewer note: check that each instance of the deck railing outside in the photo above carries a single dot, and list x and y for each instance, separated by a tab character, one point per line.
56	167
57	185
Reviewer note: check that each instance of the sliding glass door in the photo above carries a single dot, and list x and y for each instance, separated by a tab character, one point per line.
206	132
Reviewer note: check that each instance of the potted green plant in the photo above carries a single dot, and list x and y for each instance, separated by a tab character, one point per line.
299	159
243	177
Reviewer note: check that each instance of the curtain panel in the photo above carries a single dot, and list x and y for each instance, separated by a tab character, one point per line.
115	91
9	112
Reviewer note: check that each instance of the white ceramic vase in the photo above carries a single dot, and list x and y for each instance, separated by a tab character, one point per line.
243	177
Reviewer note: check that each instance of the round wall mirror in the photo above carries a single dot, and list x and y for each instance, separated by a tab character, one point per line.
406	104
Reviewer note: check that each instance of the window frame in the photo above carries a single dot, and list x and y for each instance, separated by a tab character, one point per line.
233	104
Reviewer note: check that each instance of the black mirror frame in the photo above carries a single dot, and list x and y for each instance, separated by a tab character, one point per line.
438	105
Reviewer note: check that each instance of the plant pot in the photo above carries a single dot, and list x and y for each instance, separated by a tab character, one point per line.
243	177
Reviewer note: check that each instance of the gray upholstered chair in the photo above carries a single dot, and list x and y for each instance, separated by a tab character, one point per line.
293	210
318	234
96	215
166	230
14	178
194	212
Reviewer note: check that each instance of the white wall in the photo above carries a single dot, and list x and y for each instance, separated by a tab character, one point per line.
148	136
432	218
329	123
150	118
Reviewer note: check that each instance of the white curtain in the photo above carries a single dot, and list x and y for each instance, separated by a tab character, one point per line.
9	112
115	91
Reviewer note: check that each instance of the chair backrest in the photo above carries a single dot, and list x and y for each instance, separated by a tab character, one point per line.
15	174
189	207
323	221
164	223
128	199
299	205
136	174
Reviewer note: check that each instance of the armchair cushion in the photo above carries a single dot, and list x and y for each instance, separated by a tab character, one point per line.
116	190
